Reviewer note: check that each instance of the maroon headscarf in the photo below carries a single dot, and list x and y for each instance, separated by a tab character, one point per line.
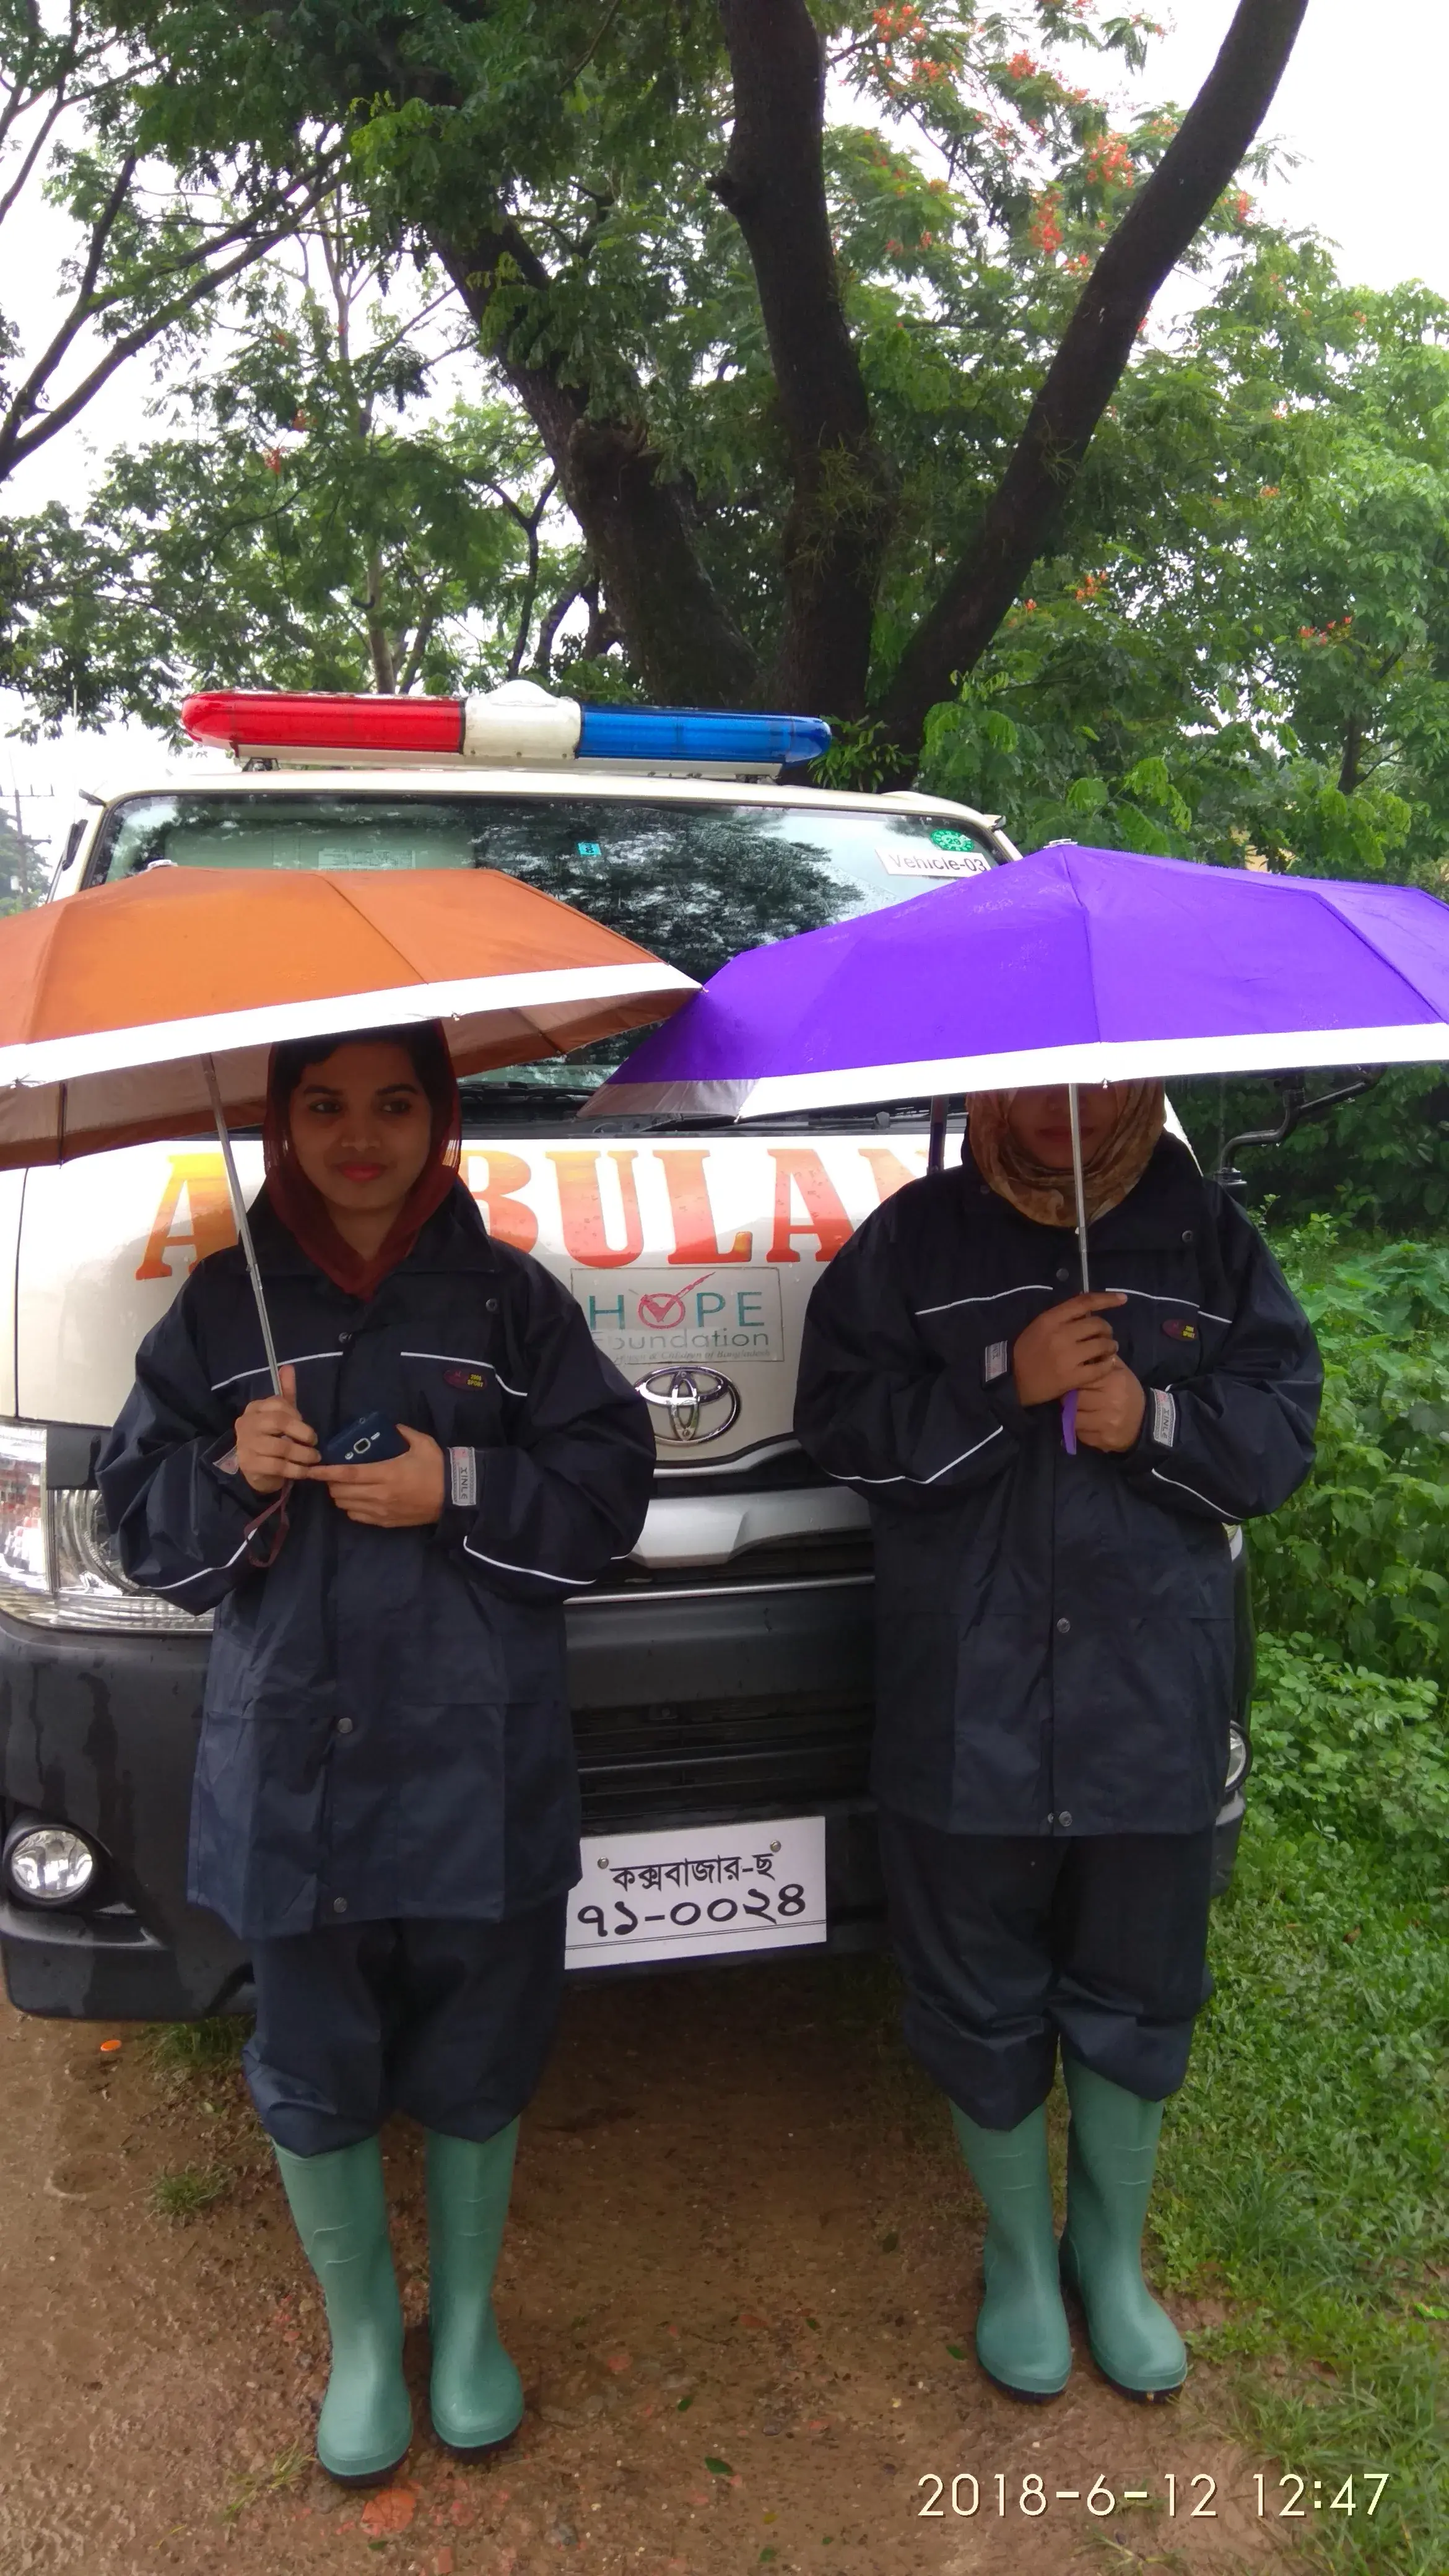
302	1208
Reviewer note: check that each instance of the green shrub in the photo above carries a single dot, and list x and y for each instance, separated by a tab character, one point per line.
1356	1562
1353	1755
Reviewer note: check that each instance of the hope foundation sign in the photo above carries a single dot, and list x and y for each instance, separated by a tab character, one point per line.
643	1318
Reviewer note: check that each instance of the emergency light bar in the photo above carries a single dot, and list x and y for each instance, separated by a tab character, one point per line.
518	725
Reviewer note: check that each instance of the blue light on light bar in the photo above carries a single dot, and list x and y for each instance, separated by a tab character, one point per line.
689	734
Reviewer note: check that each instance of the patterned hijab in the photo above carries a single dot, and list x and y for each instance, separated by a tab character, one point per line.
1048	1197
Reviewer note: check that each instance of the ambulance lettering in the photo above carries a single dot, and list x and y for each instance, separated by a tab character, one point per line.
581	1208
199	1180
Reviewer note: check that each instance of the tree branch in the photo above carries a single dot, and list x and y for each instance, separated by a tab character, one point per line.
17	442
773	183
1096	346
637	525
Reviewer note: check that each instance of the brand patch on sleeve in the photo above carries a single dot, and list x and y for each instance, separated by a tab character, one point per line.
996	1361
463	1478
1164	1417
465	1377
1179	1329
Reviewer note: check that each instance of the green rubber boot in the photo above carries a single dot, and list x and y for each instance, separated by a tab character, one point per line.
477	2395
340	2207
1111	2155
1021	2333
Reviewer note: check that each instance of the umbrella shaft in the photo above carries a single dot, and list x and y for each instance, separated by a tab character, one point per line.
238	1209
1078	1184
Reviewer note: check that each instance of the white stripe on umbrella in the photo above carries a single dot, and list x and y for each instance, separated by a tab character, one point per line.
1093	1060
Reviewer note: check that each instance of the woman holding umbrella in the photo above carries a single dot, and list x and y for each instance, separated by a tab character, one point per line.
385	1805
1055	1634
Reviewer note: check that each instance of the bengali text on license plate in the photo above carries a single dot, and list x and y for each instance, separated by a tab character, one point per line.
698	1892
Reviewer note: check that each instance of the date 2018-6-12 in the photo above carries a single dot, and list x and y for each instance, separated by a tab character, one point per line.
1285	2498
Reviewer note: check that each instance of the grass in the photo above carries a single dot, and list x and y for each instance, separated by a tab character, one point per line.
286	2468
1303	2173
189	2189
197	2047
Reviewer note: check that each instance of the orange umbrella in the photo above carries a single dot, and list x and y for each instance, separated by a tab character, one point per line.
111	1000
148	1008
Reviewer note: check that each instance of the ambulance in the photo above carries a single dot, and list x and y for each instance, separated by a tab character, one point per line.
721	1678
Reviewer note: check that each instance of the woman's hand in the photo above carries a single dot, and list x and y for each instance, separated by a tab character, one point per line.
396	1493
1110	1409
273	1443
1067	1346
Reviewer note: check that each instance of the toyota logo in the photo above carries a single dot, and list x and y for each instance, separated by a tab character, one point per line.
683	1396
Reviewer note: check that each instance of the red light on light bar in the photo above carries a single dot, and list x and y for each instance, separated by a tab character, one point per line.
267	720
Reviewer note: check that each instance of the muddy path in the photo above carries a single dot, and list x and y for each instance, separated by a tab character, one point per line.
739	2283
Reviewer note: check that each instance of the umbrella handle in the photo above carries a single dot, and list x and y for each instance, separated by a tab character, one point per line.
1069	1422
244	1232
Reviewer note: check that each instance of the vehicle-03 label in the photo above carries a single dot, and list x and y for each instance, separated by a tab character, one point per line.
642	1317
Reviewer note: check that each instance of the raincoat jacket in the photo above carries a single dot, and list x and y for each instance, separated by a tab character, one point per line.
1054	1634
385	1729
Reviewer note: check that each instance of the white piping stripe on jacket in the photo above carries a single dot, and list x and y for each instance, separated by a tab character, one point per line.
1027	1288
573	1582
262	1370
182	1580
1217	1509
1153	1299
460	1359
921	1480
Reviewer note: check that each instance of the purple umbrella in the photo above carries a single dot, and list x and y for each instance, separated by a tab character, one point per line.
1072	966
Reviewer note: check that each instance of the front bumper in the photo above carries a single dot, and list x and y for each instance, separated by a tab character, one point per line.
717	1701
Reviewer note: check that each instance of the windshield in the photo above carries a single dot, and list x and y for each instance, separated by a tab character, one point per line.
695	883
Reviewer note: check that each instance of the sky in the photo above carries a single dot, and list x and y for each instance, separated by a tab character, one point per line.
1359	114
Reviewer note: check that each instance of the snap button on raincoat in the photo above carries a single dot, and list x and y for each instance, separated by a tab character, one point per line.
385	1729
1054	1634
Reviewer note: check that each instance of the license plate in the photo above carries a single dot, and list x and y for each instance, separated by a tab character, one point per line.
699	1892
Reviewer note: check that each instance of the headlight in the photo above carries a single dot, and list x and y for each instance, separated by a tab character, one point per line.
1237	1759
49	1864
58	1566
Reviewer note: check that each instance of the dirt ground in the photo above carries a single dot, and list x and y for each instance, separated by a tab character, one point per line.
739	2282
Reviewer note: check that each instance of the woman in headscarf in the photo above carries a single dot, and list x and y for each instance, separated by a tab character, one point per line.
385	1805
1055	1630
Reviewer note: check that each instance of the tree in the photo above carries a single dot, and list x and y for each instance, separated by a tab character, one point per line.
151	242
306	522
646	217
25	871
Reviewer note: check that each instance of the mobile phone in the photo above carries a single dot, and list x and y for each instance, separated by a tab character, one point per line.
363	1443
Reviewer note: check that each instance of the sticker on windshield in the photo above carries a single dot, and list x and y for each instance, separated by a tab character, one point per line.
924	859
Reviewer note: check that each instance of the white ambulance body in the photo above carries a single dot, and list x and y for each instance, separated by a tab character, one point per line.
722	1683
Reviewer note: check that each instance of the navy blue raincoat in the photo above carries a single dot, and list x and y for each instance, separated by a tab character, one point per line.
385	1729
1054	1634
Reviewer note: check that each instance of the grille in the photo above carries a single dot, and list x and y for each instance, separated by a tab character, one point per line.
735	1753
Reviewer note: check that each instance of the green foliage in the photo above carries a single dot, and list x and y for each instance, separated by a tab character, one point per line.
303	524
1355	1563
1380	1163
188	2190
1354	1755
1241	643
24	869
198	2047
574	145
1304	2172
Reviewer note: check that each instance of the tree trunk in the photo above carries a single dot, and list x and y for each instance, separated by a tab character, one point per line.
1151	238
637	525
773	183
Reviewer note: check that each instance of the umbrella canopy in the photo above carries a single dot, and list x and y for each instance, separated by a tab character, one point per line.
111	1002
1074	965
